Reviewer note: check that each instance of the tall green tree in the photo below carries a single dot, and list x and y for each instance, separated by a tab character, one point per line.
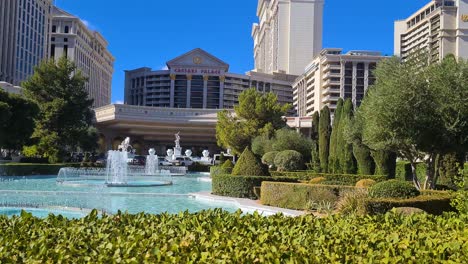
345	149
16	121
333	159
418	111
315	157
65	118
385	162
257	114
324	138
362	153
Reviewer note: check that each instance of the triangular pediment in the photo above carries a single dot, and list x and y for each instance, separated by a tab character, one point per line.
198	58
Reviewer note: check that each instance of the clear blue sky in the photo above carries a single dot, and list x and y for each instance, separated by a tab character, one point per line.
151	32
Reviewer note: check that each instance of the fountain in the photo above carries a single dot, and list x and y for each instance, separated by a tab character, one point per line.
117	172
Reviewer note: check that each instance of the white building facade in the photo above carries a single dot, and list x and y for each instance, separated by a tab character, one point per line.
288	35
24	36
87	49
440	27
199	80
333	75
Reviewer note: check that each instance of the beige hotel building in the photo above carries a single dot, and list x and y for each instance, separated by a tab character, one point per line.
441	27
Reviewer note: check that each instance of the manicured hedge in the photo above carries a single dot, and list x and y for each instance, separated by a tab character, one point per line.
32	169
241	186
403	171
433	204
217	236
199	167
219	170
344	179
299	196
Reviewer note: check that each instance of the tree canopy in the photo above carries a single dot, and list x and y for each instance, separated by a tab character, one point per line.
65	119
257	114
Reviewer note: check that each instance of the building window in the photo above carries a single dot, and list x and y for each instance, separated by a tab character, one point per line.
67	29
52	50
54	28
65	40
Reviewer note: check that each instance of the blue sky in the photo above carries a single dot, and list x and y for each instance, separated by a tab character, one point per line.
151	32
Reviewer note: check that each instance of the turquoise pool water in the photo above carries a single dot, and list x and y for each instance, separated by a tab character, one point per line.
44	192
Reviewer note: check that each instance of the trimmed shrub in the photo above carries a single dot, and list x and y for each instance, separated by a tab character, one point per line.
353	203
403	171
249	165
393	189
317	180
300	196
228	165
324	138
366	183
344	179
219	170
385	163
432	204
241	186
289	160
365	163
408	210
269	159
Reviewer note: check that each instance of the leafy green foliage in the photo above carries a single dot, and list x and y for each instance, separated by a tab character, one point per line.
228	164
219	170
16	121
289	160
257	114
393	189
365	163
269	158
249	165
283	139
344	179
353	203
299	195
241	186
315	157
450	168
431	204
217	236
65	119
261	145
324	138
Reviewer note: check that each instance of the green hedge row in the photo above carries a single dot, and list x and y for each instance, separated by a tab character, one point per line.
217	236
300	196
32	169
241	186
432	204
219	170
343	179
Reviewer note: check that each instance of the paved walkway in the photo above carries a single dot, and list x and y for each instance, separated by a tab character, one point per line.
247	205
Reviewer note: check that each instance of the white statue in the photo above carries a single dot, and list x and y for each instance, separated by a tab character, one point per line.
206	154
125	145
188	153
152	151
177	141
170	153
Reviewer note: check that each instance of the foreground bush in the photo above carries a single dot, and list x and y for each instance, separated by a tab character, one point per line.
249	165
220	237
393	189
289	160
366	183
241	186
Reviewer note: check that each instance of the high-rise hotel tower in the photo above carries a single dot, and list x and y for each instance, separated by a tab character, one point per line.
24	36
441	27
288	35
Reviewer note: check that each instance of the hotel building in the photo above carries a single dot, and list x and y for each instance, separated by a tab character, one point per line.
441	27
71	38
199	80
288	35
24	35
333	75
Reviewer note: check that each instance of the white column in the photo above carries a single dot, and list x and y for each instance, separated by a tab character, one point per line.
189	90
343	78
205	91
366	77
172	93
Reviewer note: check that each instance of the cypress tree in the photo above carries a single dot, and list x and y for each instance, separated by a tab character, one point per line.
385	163
344	149
315	162
333	161
324	138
